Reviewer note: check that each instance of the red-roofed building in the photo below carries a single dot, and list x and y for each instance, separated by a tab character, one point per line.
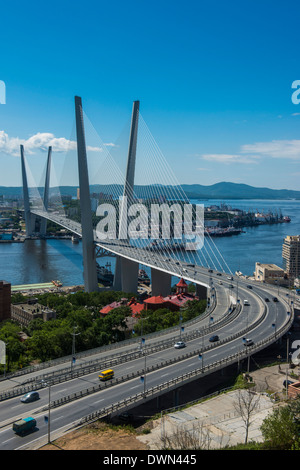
173	302
135	306
154	302
181	287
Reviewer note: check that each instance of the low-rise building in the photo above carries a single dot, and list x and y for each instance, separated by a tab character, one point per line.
24	313
270	273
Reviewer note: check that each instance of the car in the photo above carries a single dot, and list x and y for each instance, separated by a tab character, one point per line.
275	299
249	287
248	342
267	300
29	397
230	278
214	338
179	345
219	274
221	283
246	302
210	271
231	286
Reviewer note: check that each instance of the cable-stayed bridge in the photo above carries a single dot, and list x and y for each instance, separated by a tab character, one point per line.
264	321
165	261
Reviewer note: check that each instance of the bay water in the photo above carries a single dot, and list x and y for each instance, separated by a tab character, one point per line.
38	261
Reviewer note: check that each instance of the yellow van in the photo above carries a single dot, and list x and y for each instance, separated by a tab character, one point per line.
106	374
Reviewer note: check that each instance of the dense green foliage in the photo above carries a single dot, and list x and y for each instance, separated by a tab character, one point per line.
163	318
53	339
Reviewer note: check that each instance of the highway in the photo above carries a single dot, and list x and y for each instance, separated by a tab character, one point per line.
262	321
63	416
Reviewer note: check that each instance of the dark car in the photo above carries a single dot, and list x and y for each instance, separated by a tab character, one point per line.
267	300
29	397
249	287
275	299
214	338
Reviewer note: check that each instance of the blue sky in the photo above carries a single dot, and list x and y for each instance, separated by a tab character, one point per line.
213	78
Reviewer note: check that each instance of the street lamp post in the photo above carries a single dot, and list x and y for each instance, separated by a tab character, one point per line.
143	377
73	346
49	408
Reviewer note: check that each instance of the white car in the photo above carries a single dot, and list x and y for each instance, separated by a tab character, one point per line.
179	345
248	342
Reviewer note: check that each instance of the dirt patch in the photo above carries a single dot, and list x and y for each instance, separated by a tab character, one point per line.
98	436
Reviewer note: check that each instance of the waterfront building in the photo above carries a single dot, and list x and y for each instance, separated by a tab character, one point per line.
270	273
5	300
291	255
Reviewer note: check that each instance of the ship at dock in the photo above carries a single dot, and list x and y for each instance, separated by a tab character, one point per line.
222	232
143	277
105	275
168	245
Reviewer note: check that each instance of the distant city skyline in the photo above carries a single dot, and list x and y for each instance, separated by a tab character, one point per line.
214	83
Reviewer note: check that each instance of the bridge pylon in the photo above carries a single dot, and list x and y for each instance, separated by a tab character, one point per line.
126	270
43	227
30	219
34	224
88	247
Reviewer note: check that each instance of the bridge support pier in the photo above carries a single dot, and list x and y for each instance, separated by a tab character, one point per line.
129	275
161	282
117	276
201	292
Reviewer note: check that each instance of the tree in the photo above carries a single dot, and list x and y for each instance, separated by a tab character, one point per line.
14	348
280	430
246	404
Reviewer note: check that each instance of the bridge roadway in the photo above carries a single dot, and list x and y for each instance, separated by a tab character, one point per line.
63	416
164	263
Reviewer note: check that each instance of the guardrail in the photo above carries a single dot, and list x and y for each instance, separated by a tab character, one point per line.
173	383
101	349
78	373
68	374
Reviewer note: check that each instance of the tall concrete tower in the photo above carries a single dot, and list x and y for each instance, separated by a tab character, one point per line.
29	218
46	192
88	247
126	271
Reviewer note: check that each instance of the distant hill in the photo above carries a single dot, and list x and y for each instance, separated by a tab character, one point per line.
222	190
237	191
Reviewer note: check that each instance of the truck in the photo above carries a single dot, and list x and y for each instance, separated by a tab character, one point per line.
24	425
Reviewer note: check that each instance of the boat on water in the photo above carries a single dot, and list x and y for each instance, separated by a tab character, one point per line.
167	245
286	218
104	274
223	232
